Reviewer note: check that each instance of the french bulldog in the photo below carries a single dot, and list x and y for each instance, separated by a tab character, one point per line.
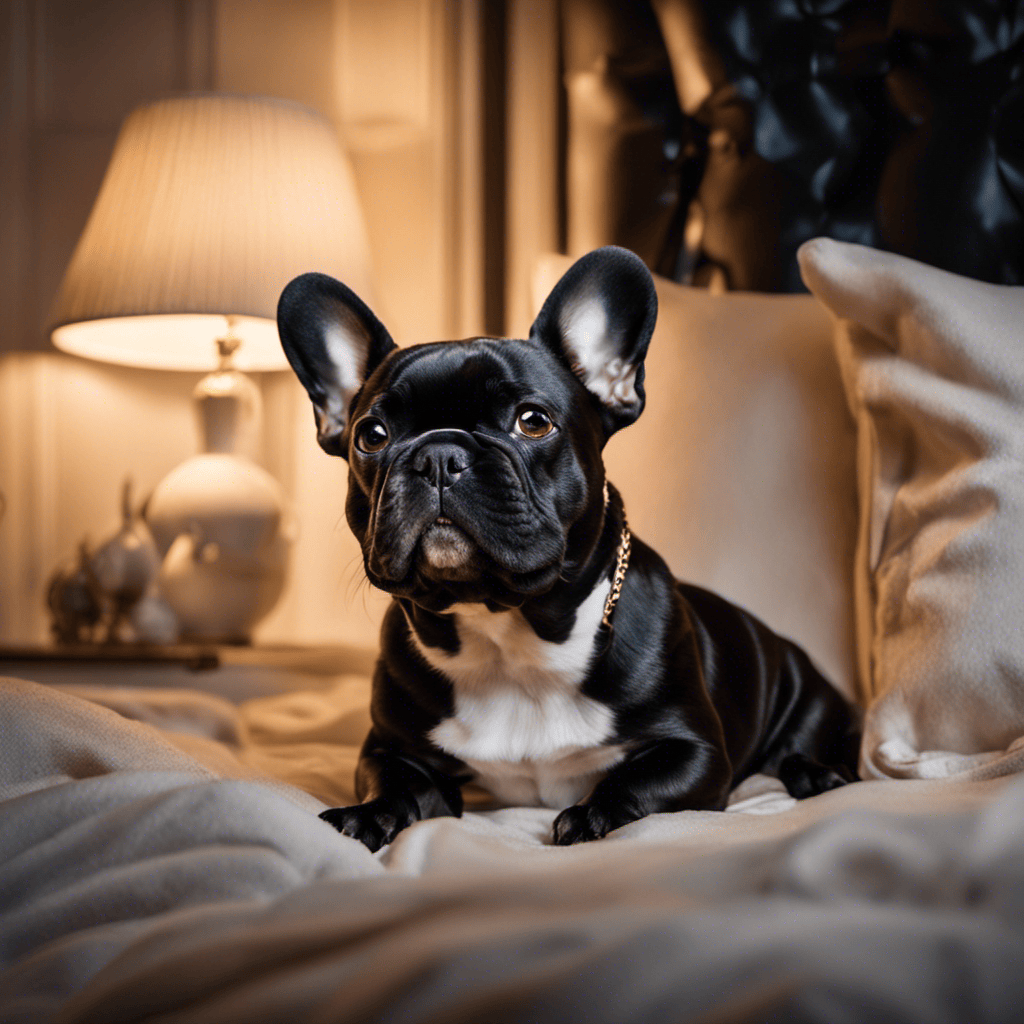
533	644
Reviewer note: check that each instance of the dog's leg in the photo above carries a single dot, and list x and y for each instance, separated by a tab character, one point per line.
396	790
666	775
830	766
803	776
820	747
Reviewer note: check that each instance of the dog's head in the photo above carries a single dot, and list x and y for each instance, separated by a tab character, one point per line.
475	466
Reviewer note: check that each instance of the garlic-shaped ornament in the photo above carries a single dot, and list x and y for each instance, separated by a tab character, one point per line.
126	565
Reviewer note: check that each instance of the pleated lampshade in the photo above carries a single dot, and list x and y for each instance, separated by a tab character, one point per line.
211	204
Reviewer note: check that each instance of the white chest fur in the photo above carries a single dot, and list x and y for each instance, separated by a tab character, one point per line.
520	721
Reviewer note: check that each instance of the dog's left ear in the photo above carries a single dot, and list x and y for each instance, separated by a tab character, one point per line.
599	319
333	342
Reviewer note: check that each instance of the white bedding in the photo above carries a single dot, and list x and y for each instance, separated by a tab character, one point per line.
169	866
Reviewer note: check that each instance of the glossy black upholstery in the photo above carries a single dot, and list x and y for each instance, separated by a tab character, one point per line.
761	123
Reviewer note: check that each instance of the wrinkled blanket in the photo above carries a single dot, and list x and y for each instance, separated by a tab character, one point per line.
161	860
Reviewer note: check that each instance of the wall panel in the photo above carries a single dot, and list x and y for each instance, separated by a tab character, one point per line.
398	77
70	431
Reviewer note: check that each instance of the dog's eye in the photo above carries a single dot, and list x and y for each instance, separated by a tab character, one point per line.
533	422
371	436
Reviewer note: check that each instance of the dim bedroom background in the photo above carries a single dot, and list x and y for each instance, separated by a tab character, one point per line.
832	198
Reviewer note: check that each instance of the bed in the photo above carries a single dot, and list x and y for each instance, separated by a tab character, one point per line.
848	462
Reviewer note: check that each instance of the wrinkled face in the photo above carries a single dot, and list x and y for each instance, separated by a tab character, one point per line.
473	465
476	465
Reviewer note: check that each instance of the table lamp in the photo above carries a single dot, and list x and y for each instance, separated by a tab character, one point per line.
210	205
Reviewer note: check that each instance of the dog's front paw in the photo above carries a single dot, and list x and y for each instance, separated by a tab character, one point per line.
374	823
584	822
803	776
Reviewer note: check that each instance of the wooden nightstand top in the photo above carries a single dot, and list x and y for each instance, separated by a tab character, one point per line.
319	659
234	672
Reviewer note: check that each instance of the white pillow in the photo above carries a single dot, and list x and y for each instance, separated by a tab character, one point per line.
741	470
933	366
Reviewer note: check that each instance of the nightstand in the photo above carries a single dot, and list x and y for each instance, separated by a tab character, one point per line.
235	673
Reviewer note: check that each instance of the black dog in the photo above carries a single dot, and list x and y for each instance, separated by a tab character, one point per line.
533	645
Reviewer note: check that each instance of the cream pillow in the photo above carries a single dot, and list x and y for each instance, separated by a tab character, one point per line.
933	366
741	470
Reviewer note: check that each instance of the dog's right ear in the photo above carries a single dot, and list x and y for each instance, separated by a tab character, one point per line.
334	342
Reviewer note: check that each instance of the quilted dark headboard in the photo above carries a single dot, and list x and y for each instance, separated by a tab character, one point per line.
715	136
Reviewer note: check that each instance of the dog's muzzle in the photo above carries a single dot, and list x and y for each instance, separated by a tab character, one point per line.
456	514
411	524
446	549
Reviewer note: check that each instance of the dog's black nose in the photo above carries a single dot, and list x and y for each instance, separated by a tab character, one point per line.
442	463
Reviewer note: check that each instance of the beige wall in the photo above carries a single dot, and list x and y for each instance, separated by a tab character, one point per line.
397	76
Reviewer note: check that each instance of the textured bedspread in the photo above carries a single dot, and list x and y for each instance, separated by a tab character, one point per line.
161	860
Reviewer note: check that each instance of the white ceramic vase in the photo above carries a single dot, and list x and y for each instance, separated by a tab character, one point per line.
220	521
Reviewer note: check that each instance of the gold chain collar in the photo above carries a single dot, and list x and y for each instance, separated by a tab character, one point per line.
621	565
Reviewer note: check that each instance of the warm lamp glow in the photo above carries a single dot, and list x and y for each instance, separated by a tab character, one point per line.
211	204
183	341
